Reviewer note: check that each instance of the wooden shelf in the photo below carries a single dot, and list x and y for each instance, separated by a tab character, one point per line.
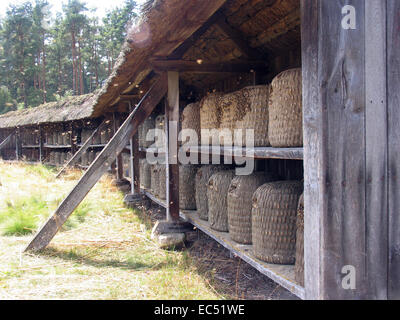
256	153
31	146
281	274
94	145
57	146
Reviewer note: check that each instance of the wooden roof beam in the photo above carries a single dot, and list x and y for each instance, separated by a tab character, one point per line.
239	39
194	67
278	29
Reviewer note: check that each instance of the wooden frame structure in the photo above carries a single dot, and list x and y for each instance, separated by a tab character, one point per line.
351	74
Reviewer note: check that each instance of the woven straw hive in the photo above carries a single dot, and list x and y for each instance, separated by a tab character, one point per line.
160	125
145	174
91	157
217	193
231	104
299	265
239	201
201	184
162	189
97	138
285	110
148	124
187	189
66	138
191	120
49	138
256	116
274	221
210	115
154	179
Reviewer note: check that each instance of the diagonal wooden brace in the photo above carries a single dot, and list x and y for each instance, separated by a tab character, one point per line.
100	165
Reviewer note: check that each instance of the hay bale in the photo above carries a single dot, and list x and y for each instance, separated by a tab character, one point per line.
217	192
274	221
187	189
239	201
285	110
154	179
201	184
160	125
162	177
257	115
190	119
210	115
299	265
145	174
148	124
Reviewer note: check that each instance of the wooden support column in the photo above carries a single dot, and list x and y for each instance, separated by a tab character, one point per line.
73	139
41	143
346	148
17	144
171	156
393	78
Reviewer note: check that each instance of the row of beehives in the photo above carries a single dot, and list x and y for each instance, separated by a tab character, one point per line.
29	137
273	112
58	138
58	158
255	209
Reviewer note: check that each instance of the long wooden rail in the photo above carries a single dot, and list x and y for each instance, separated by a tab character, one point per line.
5	141
100	165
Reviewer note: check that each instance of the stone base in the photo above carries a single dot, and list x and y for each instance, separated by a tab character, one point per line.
120	182
165	227
170	240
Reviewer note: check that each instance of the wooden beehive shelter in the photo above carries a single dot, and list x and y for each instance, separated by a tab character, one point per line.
349	59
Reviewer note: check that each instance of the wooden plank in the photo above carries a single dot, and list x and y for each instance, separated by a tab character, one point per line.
376	149
171	124
342	91
6	140
82	149
393	78
194	67
314	157
135	163
41	143
282	274
239	39
100	165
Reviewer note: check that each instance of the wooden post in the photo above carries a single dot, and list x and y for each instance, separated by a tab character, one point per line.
41	143
345	149
171	156
17	144
393	78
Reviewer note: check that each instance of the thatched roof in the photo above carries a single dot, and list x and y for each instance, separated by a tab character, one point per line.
269	26
67	109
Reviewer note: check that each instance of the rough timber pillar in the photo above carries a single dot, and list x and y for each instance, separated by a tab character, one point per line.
346	148
171	156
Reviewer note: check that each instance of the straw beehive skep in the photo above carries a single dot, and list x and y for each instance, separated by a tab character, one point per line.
49	138
210	115
191	120
201	184
148	124
285	110
239	201
257	115
160	125
299	265
145	174
217	193
154	179
55	138
187	189
162	182
274	221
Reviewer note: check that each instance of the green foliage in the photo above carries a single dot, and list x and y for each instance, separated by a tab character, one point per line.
45	56
22	216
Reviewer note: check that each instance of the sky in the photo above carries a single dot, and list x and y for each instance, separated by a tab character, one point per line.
101	5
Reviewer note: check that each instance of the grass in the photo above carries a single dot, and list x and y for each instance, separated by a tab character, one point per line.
104	251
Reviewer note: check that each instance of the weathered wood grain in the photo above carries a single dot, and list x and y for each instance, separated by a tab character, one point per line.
6	140
100	165
314	156
393	78
376	149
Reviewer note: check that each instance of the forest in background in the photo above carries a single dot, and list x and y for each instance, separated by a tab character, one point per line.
45	56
